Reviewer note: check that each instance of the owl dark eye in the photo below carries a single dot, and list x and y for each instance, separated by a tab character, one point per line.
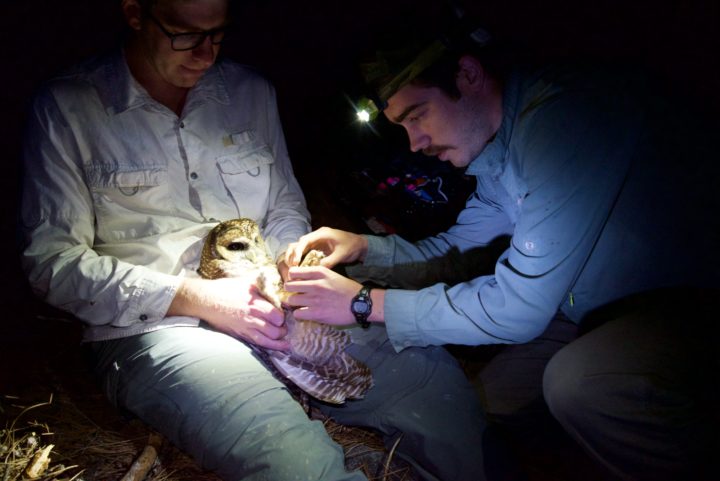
237	246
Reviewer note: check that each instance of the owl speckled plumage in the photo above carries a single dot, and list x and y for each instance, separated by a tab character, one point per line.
316	362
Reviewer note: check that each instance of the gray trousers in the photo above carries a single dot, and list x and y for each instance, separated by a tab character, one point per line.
210	396
639	393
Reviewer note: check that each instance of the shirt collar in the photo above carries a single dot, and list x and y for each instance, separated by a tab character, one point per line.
212	86
493	157
121	92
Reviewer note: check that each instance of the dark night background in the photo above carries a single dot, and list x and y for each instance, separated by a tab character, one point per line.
308	50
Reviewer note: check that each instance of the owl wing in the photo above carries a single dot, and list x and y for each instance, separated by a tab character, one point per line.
341	378
317	362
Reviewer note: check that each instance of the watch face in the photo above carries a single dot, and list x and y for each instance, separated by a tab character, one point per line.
359	307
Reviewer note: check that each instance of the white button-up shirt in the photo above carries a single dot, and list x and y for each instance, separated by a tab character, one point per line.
119	192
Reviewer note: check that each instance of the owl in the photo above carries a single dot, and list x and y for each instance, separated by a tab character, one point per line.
316	362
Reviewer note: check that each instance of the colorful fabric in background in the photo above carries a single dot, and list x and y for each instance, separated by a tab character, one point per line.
411	195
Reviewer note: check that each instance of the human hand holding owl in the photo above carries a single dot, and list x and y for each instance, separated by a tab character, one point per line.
315	360
233	305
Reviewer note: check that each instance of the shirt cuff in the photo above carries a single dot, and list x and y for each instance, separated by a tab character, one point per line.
400	319
380	251
377	260
152	297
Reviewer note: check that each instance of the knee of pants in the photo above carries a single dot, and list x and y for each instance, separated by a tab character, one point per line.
272	439
564	385
582	387
262	436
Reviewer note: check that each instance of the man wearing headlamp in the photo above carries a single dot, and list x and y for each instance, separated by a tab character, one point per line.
601	299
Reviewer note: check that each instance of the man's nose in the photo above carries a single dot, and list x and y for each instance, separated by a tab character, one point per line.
205	52
418	139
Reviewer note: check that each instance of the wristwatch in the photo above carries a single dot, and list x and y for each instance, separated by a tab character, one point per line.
361	307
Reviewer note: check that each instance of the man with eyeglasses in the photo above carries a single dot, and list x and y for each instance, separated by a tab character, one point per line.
131	159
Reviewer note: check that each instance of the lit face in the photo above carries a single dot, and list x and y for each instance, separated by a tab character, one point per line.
162	64
454	130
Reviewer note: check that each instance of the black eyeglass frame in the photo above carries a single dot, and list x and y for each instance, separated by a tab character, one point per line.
200	35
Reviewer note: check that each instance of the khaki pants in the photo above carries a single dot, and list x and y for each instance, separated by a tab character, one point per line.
209	395
639	393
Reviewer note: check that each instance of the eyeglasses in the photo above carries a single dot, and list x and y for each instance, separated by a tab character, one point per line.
190	40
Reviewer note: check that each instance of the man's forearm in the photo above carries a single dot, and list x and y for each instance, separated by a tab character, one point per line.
188	299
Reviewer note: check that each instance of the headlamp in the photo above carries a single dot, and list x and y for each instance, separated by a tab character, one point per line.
366	110
391	70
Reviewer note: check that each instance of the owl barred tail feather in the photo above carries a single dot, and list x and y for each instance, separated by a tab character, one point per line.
317	362
334	382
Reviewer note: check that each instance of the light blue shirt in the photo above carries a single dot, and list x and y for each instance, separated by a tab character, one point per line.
119	192
598	203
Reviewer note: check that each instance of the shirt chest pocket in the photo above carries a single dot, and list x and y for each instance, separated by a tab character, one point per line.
245	174
129	203
249	159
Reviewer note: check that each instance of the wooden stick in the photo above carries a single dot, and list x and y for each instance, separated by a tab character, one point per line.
141	466
39	462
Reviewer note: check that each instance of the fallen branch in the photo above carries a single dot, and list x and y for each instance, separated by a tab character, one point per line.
141	466
39	462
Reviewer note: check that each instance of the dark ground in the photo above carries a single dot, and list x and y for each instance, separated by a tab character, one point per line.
306	49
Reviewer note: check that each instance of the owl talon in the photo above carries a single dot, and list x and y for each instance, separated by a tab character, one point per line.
312	258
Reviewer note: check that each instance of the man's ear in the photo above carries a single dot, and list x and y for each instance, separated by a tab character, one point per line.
471	74
133	12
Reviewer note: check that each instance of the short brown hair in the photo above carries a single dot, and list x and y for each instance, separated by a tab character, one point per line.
420	56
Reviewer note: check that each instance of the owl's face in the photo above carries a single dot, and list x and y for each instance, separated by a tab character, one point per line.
238	239
233	243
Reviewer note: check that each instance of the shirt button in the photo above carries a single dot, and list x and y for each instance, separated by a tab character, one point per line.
143	317
182	125
193	175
